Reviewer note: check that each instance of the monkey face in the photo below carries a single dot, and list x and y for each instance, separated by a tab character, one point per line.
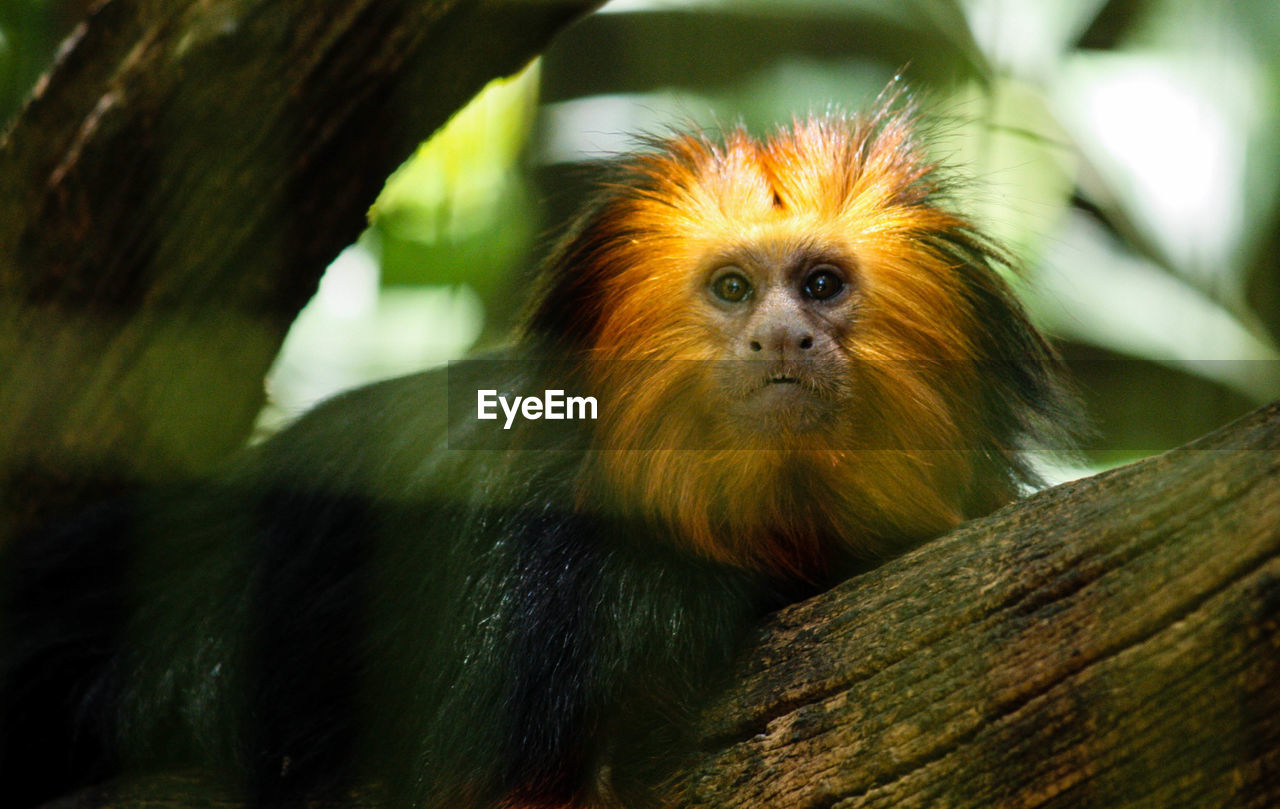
796	320
775	323
778	315
799	290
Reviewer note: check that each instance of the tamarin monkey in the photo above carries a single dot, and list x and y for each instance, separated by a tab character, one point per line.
803	362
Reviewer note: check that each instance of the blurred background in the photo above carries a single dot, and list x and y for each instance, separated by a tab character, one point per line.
1126	151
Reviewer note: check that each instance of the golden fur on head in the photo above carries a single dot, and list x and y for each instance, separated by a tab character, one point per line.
945	374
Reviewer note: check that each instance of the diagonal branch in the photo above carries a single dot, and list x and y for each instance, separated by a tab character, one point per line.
1110	642
171	195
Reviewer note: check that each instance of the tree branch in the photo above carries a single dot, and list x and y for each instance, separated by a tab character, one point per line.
170	197
1110	642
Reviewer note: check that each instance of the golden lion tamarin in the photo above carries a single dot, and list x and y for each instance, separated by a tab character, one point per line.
802	362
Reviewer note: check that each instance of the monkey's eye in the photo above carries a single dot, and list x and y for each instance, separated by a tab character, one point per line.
823	283
731	288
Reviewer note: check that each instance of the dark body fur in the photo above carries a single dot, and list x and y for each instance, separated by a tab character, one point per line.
441	621
361	598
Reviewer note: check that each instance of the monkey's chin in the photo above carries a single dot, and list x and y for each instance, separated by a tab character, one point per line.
777	413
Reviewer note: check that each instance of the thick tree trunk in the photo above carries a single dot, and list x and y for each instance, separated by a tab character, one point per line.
173	192
1113	642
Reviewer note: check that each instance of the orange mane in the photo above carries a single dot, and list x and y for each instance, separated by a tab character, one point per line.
916	452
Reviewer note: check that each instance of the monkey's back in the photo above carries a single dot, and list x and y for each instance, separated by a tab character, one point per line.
358	599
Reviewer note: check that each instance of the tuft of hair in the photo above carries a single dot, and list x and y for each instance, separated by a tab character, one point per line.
949	379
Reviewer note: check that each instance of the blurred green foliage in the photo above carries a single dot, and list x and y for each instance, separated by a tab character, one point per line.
459	210
449	229
1126	151
30	31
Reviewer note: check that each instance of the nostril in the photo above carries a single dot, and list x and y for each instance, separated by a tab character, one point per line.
806	343
755	346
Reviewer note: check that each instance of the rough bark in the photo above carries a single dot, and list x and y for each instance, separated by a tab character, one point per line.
170	197
1113	642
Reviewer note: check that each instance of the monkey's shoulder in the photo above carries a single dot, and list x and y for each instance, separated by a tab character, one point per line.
419	440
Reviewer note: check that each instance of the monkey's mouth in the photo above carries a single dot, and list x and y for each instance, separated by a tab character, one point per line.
791	379
779	396
780	389
780	402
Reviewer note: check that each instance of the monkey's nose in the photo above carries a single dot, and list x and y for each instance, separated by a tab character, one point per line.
780	343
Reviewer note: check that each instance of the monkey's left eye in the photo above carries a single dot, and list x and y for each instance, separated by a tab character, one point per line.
731	287
823	283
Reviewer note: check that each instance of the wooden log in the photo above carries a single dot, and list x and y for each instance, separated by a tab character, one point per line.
1113	642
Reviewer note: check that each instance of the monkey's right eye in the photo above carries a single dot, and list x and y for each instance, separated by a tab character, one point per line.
731	288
